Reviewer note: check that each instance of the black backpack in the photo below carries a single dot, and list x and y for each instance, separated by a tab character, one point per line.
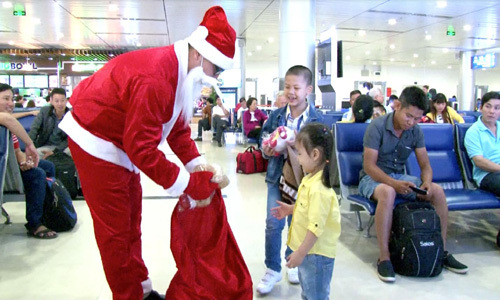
416	245
65	171
58	211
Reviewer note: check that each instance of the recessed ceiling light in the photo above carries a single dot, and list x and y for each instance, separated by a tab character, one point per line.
250	53
270	40
36	21
50	58
95	58
413	65
60	35
361	32
446	50
392	59
415	55
111	55
138	44
11	43
392	21
428	37
258	47
71	58
433	62
441	4
392	46
467	27
347	57
374	63
13	54
367	52
63	54
449	67
7	4
38	54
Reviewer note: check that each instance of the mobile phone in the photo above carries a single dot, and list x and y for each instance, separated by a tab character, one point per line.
419	190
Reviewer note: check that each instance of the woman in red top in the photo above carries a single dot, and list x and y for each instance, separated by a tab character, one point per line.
253	119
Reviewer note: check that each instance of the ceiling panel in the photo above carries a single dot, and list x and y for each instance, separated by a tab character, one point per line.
134	24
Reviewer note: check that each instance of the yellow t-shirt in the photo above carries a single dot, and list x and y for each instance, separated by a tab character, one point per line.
316	210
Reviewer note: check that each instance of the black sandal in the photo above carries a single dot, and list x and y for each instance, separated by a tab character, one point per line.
43	234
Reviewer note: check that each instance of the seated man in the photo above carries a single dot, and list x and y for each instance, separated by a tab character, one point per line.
45	132
206	119
220	120
239	113
482	142
388	142
348	116
33	171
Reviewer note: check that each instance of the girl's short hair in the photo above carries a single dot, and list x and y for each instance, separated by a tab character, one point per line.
317	135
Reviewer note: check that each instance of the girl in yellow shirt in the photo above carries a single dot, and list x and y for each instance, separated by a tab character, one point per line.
442	113
315	227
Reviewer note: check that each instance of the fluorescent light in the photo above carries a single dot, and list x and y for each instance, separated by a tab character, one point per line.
347	57
413	65
367	52
392	21
258	47
361	32
441	4
467	27
428	37
270	40
392	46
433	62
415	55
7	4
446	50
374	63
392	59
249	53
449	67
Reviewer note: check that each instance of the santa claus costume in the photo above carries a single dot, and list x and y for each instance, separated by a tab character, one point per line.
120	116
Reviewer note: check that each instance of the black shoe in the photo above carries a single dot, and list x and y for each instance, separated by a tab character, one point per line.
219	144
450	263
198	139
498	239
385	271
154	296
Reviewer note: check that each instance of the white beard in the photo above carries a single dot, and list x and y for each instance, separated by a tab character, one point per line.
191	91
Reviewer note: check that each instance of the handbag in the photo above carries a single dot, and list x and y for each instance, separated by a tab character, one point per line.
250	161
291	177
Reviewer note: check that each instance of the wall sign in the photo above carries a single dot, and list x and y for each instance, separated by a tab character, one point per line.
17	66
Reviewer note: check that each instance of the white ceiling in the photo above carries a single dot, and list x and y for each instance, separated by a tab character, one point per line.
127	24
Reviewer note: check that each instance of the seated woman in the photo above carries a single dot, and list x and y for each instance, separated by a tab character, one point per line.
362	109
441	112
253	119
482	142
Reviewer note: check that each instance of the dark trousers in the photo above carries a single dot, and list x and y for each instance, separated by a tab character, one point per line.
219	126
35	186
203	125
491	183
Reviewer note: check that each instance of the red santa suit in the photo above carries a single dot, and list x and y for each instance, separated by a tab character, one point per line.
120	116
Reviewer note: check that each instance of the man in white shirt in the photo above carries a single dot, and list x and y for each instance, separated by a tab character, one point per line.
220	120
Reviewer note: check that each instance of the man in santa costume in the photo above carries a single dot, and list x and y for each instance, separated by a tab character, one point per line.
120	116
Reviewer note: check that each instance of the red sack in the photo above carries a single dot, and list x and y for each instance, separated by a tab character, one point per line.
209	262
250	161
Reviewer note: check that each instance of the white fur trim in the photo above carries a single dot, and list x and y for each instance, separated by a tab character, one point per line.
194	162
197	39
180	183
147	286
95	145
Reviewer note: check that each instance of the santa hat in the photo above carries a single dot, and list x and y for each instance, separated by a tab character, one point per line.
215	39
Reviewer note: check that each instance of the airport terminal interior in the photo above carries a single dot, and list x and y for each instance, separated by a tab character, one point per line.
450	46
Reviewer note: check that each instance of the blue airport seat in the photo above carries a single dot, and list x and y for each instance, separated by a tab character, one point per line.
4	152
349	147
469	119
26	121
440	144
330	119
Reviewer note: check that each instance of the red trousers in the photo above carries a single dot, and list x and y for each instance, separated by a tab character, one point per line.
114	197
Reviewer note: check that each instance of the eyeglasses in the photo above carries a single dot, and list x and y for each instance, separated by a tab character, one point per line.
218	69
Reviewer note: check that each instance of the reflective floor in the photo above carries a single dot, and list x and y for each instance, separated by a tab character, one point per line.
69	267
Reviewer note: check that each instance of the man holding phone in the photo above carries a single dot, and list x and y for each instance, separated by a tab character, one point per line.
388	142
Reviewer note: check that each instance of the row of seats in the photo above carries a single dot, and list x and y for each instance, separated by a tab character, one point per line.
442	142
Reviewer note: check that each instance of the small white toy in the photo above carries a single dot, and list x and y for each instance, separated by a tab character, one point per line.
279	139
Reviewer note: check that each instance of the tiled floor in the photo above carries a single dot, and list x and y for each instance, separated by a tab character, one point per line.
69	267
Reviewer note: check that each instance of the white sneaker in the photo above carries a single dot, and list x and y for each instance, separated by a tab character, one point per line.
267	282
293	275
